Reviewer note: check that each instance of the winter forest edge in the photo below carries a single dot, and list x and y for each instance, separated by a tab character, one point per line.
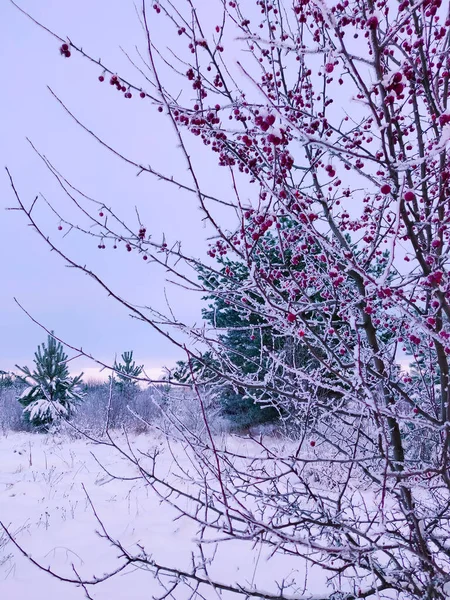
307	420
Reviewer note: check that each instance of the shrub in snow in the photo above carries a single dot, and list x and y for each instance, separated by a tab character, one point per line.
51	394
6	379
10	410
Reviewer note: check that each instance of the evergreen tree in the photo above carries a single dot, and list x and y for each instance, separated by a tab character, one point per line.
126	371
249	340
51	393
125	388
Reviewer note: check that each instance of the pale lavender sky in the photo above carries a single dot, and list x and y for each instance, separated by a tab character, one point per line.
60	298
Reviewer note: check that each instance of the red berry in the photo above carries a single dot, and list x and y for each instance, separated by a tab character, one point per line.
313	443
101	78
372	23
145	257
385	189
60	227
329	68
100	214
160	108
67	54
142	94
409	196
65	47
291	318
415	411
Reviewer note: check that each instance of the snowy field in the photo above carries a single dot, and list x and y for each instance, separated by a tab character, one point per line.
44	482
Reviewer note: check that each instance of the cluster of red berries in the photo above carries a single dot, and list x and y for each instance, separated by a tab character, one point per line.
274	139
265	122
120	87
329	169
116	81
396	85
414	339
141	233
444	119
64	50
434	278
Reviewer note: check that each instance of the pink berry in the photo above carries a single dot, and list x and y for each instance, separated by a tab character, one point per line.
385	189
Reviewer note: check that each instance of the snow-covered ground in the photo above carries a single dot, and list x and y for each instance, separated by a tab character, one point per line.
44	482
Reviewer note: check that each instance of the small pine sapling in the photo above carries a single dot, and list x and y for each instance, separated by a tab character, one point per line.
51	394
